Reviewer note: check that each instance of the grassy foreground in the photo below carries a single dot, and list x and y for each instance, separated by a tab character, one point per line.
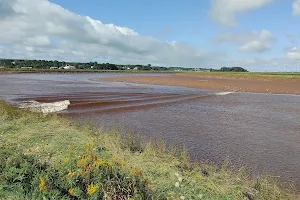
49	157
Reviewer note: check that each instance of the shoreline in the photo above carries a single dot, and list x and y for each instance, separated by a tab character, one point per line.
227	83
63	71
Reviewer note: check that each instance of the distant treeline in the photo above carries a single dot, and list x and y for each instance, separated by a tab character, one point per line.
45	64
232	69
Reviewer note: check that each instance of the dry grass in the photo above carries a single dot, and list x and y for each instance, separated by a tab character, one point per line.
170	173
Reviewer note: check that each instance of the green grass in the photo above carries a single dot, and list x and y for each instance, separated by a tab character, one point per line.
31	141
249	74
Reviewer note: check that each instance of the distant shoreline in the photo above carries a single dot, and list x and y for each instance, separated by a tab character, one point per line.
62	71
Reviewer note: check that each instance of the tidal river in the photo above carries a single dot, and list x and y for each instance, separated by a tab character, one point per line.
260	131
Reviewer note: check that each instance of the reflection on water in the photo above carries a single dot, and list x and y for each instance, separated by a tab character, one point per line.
259	130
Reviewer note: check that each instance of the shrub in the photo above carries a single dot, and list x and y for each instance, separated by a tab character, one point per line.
133	142
87	175
17	172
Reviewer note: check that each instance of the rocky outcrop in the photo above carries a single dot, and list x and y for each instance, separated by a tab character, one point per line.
45	107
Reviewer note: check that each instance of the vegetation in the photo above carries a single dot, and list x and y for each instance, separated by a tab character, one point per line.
91	66
233	69
49	157
249	75
229	69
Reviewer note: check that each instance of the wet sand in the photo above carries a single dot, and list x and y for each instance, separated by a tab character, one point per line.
254	84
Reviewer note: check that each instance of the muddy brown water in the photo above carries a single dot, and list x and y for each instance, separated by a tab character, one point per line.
261	131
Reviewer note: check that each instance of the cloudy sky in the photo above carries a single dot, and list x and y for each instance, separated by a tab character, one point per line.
260	35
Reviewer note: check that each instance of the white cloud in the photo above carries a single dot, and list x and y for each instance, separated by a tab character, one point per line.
254	41
41	29
296	7
294	53
224	11
38	41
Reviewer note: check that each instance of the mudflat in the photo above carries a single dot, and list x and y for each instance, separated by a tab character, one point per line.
235	83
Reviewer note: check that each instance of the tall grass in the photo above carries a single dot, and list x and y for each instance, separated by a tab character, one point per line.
53	157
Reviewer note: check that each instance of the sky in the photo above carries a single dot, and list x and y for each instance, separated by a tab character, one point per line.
259	35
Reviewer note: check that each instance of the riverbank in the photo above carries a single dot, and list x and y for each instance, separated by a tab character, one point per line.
50	156
275	83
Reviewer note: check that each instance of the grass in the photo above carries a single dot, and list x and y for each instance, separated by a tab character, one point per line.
47	157
280	75
202	73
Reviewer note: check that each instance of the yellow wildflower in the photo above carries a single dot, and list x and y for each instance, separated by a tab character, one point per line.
71	174
42	185
104	163
88	145
92	189
98	163
118	163
81	162
72	191
135	171
121	163
66	160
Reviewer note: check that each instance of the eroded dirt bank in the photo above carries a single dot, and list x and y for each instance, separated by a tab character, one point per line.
275	85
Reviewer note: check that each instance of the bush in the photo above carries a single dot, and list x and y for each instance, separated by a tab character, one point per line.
233	69
133	142
88	175
17	172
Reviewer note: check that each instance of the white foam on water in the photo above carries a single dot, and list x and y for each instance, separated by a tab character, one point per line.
45	107
222	93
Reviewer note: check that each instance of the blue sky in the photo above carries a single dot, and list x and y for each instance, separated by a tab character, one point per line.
260	35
